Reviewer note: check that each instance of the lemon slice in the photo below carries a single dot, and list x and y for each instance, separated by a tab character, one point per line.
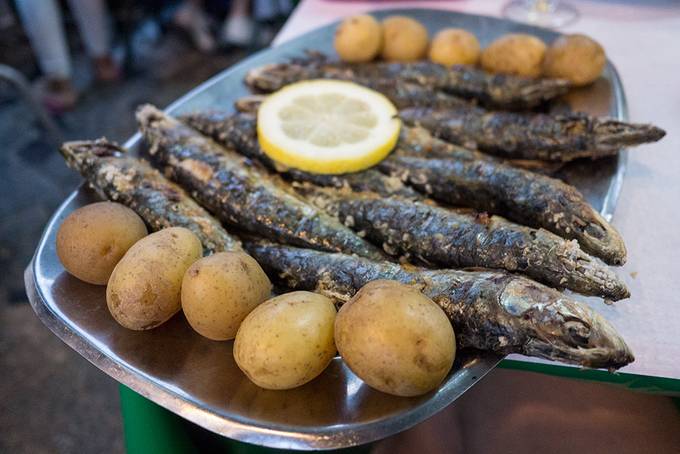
327	126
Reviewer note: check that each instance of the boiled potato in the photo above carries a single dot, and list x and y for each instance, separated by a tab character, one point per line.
144	288
92	239
286	341
395	338
454	46
220	290
358	39
516	53
576	58
404	39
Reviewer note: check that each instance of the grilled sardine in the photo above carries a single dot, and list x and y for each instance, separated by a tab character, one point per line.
133	182
489	310
239	132
491	90
521	196
451	174
532	135
238	193
461	238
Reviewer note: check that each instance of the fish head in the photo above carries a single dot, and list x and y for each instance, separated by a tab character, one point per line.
160	129
271	77
80	153
249	104
563	329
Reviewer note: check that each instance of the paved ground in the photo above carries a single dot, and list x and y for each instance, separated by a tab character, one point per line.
51	400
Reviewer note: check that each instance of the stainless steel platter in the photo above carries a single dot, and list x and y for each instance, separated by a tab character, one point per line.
198	379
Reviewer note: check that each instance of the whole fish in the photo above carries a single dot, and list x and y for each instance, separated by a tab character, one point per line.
532	135
525	197
251	103
463	238
133	182
489	310
503	91
239	132
451	174
238	193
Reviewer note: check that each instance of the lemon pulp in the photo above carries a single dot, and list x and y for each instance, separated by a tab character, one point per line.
327	126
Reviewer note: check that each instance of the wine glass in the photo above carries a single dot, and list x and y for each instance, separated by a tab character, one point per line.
548	13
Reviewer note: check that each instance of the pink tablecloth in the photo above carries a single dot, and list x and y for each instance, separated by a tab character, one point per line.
643	41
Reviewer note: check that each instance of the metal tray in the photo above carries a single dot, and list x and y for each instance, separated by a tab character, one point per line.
198	379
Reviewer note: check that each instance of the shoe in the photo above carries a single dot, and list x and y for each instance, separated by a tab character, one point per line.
56	94
106	69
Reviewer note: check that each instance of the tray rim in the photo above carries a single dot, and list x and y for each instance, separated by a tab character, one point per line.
278	438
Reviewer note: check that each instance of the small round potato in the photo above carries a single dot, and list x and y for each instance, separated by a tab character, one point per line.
144	288
92	239
576	58
454	46
286	341
220	290
358	39
516	53
395	338
404	39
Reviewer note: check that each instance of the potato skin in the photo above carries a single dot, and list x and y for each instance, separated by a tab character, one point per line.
286	341
395	338
93	238
404	39
144	288
358	38
454	46
577	58
220	290
515	53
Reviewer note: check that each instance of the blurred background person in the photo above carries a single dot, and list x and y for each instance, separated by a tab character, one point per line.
192	18
42	21
237	29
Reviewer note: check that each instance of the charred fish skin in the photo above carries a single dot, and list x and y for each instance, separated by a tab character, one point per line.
239	132
238	193
524	197
502	91
532	135
133	182
418	141
408	94
463	239
493	311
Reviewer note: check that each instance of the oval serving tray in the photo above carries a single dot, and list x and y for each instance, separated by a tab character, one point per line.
197	378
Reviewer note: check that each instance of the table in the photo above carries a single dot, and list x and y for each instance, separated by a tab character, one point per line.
641	39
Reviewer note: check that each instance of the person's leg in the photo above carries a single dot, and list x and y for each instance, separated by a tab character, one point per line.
42	22
238	27
92	19
191	17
